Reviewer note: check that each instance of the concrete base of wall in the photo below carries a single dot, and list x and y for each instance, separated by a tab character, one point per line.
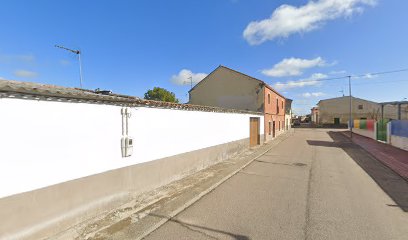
365	133
399	142
268	137
43	212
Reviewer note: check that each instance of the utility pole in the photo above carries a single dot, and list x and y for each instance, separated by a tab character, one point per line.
77	52
351	115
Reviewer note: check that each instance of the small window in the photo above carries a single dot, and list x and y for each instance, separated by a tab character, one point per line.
277	105
282	104
269	98
360	107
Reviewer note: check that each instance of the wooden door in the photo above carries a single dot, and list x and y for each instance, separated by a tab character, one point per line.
273	128
254	136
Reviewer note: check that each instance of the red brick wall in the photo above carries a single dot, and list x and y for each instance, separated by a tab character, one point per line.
274	109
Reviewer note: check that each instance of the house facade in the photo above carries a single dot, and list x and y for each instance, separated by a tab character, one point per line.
337	110
288	114
314	115
228	88
274	113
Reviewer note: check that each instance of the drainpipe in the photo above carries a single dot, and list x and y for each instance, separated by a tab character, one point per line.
127	115
122	112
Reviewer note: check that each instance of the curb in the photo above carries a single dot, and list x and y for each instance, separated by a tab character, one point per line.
210	189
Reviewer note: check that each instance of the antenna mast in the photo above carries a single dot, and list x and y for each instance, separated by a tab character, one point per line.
77	52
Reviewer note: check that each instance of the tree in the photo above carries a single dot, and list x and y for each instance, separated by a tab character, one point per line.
160	94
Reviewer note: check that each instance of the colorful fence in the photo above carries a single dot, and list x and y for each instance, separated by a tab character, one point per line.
393	132
365	128
364	124
382	129
399	128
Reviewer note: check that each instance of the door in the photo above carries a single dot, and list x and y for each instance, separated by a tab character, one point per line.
273	128
336	121
254	136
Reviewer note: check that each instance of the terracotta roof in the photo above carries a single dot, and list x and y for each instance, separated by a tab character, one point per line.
17	89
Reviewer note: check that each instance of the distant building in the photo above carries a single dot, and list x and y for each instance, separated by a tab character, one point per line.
314	116
288	114
228	88
337	110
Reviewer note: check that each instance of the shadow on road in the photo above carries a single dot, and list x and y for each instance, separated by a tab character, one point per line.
196	228
393	184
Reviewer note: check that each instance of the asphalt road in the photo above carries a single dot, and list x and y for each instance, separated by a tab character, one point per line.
306	187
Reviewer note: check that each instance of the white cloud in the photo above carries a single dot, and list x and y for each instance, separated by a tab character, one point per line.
293	67
311	81
287	19
25	74
313	94
183	77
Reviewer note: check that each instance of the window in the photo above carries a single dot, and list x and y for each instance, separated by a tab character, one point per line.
282	104
269	98
277	106
360	107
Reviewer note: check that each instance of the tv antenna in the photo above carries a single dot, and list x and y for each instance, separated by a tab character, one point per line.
77	52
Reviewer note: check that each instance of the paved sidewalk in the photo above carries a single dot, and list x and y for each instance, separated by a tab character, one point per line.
394	158
138	218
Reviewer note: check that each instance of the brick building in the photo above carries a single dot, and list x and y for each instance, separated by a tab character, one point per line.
228	88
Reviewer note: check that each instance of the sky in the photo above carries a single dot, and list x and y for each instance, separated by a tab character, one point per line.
132	46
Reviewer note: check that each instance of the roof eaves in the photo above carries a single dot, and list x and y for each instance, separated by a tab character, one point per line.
49	91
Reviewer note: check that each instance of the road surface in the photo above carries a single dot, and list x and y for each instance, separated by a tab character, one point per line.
307	187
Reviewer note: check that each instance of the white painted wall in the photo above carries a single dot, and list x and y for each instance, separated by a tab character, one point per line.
399	142
366	133
45	143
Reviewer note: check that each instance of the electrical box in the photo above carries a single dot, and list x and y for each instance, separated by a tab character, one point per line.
127	146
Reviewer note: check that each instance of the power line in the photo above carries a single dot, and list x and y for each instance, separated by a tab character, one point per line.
381	73
351	76
379	82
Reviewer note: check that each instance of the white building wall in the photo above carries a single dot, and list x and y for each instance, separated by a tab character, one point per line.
45	143
399	142
366	133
